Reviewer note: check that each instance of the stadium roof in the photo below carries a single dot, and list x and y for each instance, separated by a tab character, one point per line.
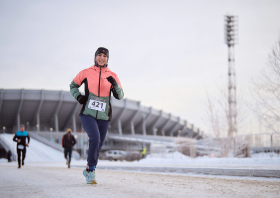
57	110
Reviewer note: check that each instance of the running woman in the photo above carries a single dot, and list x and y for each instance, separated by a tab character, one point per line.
96	113
20	138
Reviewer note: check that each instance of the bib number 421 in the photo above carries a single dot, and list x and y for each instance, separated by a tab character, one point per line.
97	105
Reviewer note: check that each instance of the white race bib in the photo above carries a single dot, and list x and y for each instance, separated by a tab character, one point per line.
96	103
20	147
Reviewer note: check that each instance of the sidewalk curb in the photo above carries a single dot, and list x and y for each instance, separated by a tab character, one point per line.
207	171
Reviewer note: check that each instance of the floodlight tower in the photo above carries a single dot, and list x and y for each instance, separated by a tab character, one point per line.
231	40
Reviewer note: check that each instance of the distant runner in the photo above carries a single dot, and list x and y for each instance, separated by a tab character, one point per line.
68	141
20	138
96	112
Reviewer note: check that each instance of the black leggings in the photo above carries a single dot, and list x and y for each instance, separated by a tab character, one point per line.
68	151
19	151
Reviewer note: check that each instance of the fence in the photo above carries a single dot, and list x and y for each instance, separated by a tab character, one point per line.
238	146
243	145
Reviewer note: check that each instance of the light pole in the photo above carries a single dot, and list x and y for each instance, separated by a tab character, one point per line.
4	128
51	129
156	130
179	132
27	125
37	125
231	40
76	145
109	129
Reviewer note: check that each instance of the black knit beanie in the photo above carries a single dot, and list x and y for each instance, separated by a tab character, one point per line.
99	51
102	50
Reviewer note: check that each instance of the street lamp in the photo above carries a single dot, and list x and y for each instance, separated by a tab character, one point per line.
27	125
37	125
51	129
4	128
155	130
76	145
110	130
179	132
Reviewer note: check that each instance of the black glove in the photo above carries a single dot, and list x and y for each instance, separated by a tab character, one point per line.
112	80
82	99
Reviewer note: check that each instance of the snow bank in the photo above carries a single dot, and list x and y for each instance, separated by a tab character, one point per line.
177	158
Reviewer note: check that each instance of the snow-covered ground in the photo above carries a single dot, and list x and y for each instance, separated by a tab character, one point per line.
45	174
63	182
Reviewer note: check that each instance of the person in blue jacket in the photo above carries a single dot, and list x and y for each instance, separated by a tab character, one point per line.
20	137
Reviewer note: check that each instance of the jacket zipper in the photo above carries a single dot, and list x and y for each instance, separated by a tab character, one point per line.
98	88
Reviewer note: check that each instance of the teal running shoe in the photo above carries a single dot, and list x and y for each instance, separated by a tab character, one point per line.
90	177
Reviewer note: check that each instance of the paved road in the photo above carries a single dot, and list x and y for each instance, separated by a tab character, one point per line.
32	181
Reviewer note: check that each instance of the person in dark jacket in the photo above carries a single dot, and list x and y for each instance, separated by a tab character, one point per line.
20	138
68	141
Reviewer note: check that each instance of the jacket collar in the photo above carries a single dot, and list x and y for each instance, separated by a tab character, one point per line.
106	69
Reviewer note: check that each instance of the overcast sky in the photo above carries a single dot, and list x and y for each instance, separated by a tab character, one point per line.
167	54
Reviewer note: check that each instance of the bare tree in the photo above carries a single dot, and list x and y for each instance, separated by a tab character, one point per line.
218	113
267	91
215	117
218	119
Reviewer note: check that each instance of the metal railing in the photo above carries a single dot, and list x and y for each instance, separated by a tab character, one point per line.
241	145
9	147
238	146
51	143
